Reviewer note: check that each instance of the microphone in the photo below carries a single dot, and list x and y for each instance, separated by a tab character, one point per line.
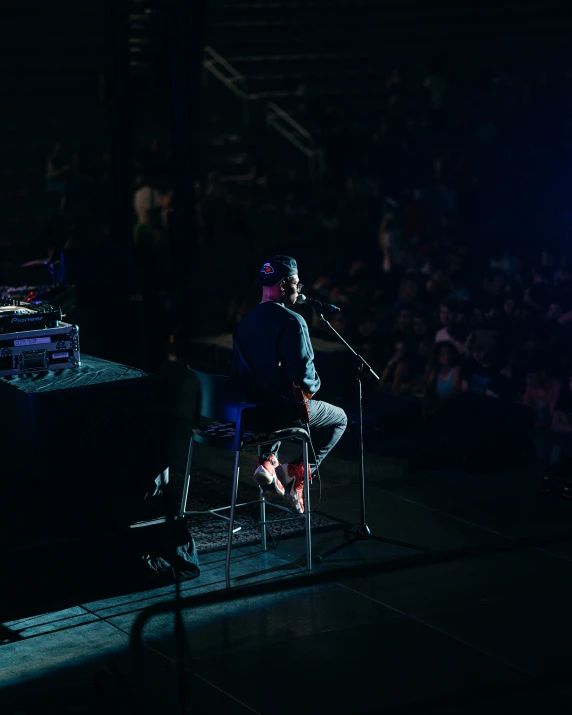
317	304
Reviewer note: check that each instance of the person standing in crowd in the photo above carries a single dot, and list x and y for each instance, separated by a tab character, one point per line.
58	173
444	378
541	394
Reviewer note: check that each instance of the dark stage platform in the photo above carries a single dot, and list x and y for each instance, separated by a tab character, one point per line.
479	625
79	448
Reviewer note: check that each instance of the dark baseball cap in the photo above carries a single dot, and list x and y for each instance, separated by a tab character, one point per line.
275	269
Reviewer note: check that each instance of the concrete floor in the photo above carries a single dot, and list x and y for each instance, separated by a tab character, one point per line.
484	629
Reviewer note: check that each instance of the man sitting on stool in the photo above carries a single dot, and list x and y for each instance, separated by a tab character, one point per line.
272	352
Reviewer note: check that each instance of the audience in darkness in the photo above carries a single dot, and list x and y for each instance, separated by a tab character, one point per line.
423	227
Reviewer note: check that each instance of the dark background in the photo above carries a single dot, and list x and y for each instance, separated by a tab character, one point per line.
101	78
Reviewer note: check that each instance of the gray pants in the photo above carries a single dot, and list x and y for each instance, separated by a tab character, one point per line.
327	425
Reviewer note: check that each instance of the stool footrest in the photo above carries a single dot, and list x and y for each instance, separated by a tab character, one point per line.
197	512
212	512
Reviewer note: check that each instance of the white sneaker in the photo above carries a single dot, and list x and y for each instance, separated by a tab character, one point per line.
292	476
265	477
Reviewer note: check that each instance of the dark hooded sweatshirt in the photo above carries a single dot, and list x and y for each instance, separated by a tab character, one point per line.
276	343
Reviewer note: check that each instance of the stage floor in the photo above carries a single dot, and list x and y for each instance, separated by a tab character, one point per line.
480	626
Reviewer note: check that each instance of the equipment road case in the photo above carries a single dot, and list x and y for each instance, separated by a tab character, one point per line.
39	350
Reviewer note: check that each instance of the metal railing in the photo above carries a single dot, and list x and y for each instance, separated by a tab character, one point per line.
216	65
289	128
276	117
222	70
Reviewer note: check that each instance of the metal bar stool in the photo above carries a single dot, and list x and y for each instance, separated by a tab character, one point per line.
219	400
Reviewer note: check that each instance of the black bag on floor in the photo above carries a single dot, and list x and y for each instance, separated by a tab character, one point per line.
166	547
163	542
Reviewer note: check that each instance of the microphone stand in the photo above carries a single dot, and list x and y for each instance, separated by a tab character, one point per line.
361	531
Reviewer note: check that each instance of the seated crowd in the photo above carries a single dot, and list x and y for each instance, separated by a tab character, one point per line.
444	284
438	296
504	335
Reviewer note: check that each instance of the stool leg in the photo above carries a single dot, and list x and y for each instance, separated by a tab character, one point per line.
262	511
187	480
307	506
262	520
231	521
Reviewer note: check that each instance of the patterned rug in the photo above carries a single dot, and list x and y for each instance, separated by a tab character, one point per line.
209	490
